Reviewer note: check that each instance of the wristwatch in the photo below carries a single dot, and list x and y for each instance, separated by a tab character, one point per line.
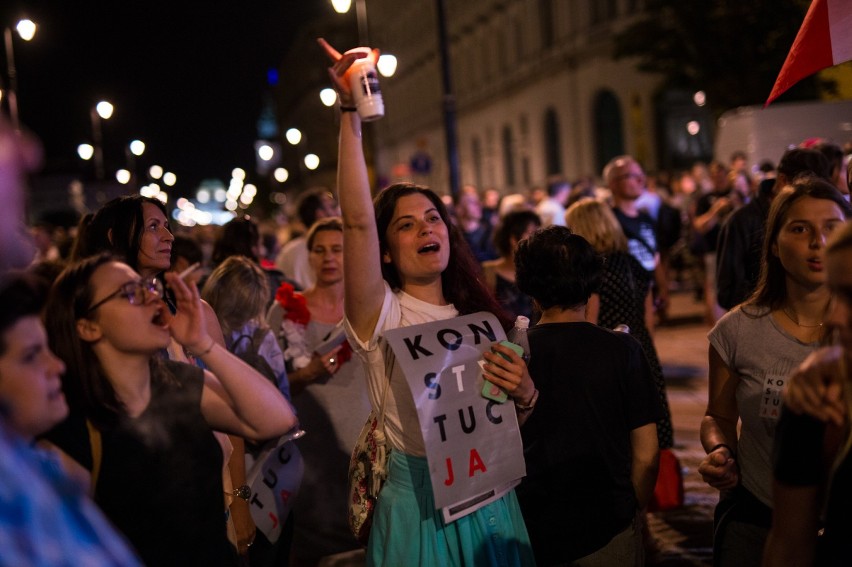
243	492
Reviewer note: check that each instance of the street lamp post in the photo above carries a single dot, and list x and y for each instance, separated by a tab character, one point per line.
102	111
342	6
26	29
131	151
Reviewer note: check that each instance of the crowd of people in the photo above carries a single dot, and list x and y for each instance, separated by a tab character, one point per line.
153	381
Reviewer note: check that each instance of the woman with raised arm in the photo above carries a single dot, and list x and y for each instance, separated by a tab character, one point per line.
753	349
406	264
143	425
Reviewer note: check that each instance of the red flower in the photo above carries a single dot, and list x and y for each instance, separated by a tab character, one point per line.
294	304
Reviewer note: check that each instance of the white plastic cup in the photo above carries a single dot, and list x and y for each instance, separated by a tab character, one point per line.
366	92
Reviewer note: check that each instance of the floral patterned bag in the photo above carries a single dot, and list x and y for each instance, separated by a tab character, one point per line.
367	474
368	467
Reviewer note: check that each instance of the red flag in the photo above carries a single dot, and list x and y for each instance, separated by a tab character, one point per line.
825	39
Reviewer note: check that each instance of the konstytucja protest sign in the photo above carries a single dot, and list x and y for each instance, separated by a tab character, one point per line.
473	444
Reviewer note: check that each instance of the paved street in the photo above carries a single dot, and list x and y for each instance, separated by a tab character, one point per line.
685	535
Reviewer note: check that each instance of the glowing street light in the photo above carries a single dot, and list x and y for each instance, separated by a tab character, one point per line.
137	147
281	175
293	135
85	151
312	161
341	6
104	109
265	152
387	64
328	96
26	30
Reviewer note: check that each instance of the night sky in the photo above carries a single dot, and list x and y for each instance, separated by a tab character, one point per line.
187	78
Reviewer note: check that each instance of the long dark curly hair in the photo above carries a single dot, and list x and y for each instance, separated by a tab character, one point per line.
461	281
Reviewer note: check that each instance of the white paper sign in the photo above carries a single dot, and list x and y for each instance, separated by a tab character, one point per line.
473	444
274	480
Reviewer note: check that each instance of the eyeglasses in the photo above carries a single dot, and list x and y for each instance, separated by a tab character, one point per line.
134	292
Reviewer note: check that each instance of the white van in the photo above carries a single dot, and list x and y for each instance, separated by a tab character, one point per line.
766	133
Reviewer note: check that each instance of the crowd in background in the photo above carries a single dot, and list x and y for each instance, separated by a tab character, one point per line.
241	347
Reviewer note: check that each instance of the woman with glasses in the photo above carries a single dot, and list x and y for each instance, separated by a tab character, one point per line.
136	229
142	426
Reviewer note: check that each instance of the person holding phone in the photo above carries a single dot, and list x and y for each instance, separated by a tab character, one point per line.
406	264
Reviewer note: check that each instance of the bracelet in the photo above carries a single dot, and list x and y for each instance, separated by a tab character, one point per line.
212	344
723	446
347	108
243	492
528	407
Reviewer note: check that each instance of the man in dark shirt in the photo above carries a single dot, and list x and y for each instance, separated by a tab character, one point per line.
741	236
626	180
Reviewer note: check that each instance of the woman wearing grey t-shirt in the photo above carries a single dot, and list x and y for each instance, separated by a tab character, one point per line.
752	350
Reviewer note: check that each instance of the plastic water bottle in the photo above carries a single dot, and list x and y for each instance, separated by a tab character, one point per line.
518	335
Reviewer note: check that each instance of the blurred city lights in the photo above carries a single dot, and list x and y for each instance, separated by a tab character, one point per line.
137	147
220	195
265	152
699	98
26	29
202	196
122	176
293	135
386	65
155	171
238	173
169	178
341	6
281	175
85	151
104	109
693	127
328	97
312	161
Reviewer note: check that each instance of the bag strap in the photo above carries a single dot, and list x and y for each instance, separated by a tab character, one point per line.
379	472
97	452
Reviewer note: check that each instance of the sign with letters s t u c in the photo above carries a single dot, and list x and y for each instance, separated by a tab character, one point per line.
473	444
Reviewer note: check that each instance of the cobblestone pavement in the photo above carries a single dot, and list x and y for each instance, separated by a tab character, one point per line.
685	536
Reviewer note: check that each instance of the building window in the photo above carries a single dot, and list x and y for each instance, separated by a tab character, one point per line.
545	13
602	11
552	143
509	156
609	128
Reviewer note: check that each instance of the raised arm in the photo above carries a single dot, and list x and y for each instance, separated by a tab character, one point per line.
364	286
236	398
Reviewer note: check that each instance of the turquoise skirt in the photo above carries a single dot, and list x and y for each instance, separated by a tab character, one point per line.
408	531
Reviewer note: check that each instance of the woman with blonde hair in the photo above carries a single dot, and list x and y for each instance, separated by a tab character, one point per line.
238	292
624	296
329	395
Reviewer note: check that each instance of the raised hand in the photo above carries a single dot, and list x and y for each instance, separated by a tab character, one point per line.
187	326
341	63
816	387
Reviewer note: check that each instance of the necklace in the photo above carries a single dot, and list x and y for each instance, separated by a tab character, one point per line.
795	320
